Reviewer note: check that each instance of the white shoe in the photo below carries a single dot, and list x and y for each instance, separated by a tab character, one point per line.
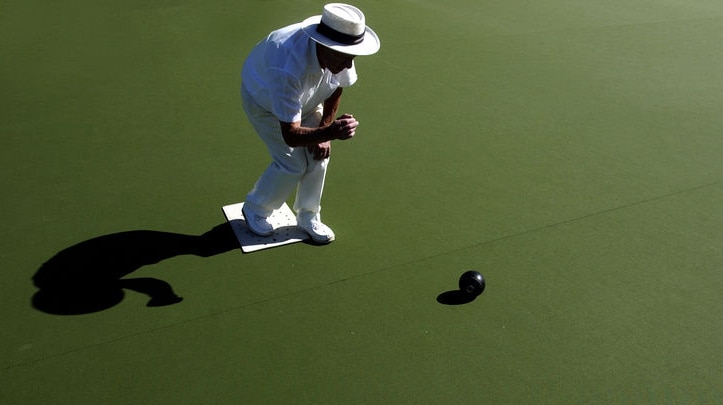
311	223
258	224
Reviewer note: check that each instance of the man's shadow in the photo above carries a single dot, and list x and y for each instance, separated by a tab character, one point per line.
89	277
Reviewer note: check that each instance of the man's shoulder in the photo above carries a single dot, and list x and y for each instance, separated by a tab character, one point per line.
289	50
290	36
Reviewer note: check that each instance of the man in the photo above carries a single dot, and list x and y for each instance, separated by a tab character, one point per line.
292	83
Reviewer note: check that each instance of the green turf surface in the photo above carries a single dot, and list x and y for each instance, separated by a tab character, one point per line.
569	151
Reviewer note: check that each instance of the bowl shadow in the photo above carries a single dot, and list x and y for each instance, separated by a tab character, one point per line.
455	297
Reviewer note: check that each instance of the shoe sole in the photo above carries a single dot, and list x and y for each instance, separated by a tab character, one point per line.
324	241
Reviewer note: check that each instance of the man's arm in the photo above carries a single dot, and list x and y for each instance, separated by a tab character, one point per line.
331	106
329	129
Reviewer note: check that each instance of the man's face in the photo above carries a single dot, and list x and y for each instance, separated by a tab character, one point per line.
333	60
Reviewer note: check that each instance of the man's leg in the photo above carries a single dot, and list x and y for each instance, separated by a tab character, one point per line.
311	187
311	184
280	177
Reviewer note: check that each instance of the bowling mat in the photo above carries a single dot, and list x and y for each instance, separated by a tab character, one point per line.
283	220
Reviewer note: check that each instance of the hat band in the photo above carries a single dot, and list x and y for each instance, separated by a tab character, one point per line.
340	37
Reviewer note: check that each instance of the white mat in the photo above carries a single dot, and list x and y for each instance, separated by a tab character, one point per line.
283	220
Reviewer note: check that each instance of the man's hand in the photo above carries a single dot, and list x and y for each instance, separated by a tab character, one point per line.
341	128
344	127
321	151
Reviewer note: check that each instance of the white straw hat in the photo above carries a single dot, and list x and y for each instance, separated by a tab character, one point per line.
342	28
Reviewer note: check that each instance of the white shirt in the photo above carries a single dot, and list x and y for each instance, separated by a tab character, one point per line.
283	75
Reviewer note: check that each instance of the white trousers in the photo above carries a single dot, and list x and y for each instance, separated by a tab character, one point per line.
291	168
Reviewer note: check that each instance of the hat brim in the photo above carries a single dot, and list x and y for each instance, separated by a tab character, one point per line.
369	45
